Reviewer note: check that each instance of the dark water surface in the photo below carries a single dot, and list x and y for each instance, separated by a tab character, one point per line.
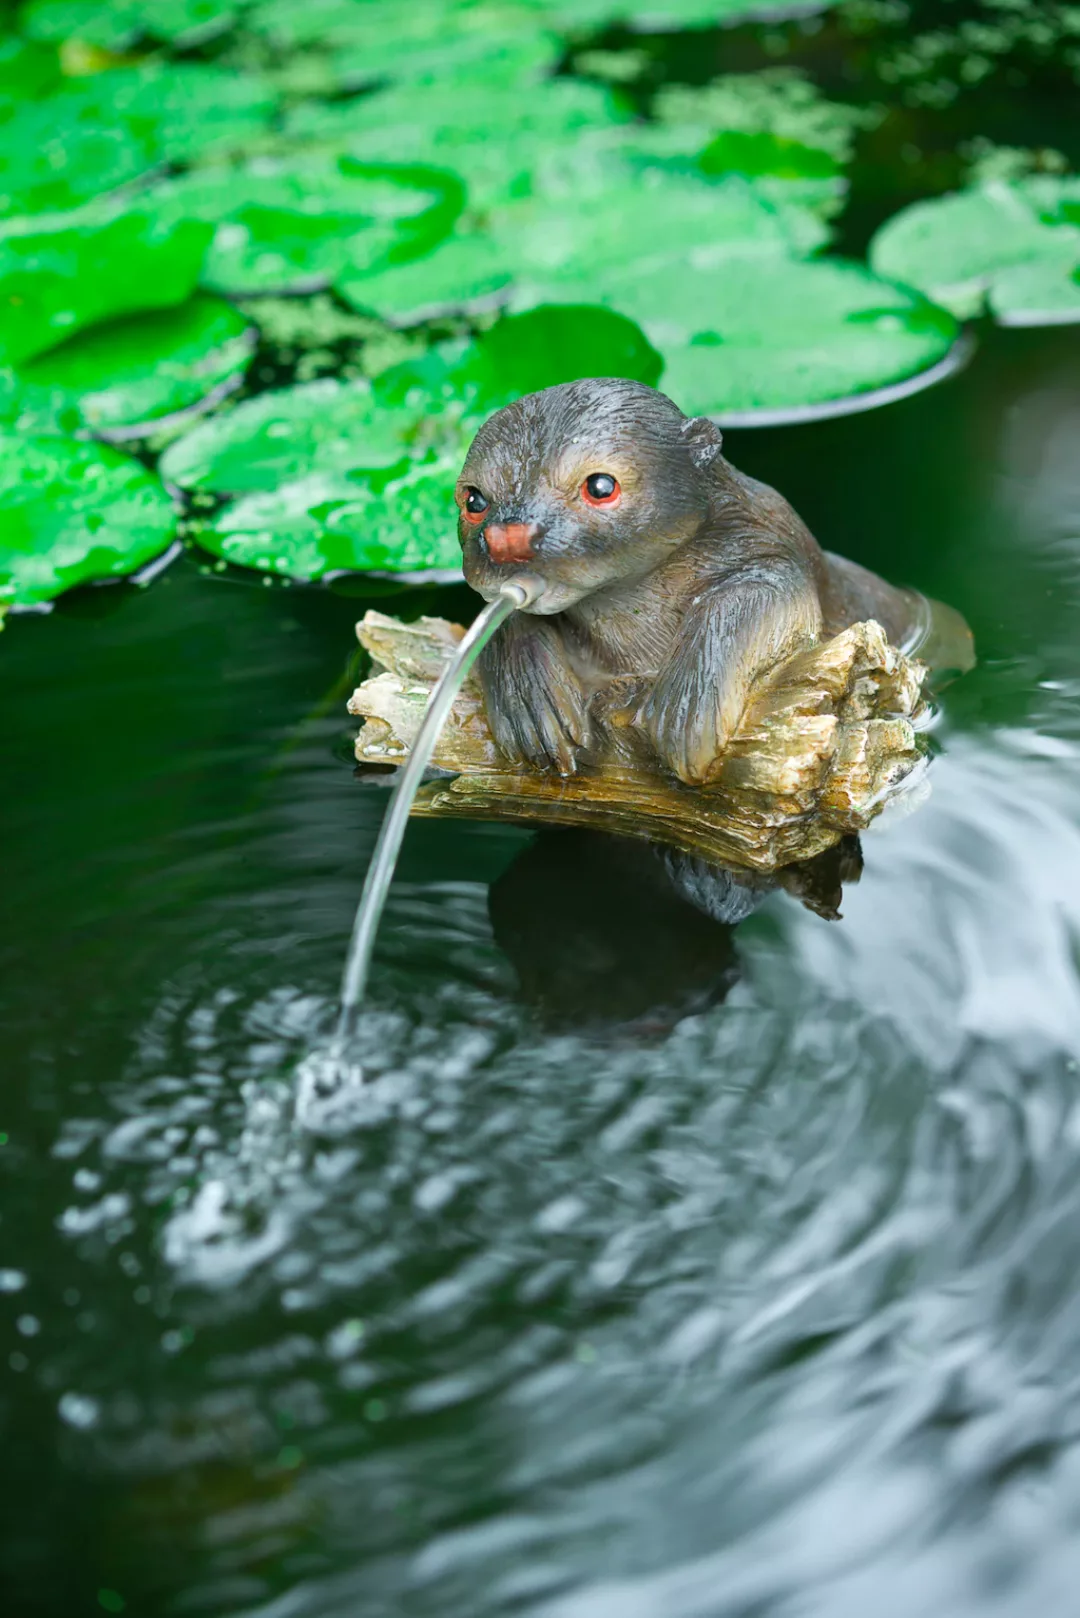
771	1308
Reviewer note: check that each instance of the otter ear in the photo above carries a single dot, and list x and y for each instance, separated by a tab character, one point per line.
703	440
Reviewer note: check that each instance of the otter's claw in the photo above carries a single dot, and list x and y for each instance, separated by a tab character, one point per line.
542	735
535	705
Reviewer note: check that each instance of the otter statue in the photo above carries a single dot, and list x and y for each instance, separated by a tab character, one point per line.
649	555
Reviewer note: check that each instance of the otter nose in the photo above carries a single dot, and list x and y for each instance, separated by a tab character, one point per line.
510	541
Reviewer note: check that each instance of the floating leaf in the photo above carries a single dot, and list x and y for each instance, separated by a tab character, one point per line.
774	127
72	511
294	224
496	140
120	24
758	154
617	219
60	278
319	428
426	40
27	70
779	101
94	134
129	373
325	524
1044	293
1011	245
773	334
466	271
560	343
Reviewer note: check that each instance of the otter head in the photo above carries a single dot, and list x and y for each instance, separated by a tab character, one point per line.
581	486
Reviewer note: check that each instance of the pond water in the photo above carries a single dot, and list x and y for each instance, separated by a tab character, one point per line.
597	1302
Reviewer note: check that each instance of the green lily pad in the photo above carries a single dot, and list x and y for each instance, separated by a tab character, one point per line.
117	25
1009	245
612	218
72	511
527	352
27	70
522	353
779	101
760	153
56	281
776	335
496	140
467	271
295	224
96	133
1044	293
774	127
426	40
121	377
325	524
324	427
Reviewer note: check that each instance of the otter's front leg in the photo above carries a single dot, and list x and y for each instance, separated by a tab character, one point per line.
536	706
736	630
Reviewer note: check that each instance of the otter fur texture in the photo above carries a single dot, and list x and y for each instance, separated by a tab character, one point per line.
648	555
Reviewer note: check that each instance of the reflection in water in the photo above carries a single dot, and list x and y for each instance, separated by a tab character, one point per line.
603	931
754	1296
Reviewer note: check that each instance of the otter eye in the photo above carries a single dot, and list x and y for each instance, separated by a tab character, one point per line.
474	505
600	489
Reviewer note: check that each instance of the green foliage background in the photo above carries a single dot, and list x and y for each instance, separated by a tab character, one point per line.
288	253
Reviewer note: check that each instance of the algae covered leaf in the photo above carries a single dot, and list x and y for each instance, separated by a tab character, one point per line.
71	512
774	335
295	223
122	377
61	274
1010	246
326	524
94	134
278	437
120	25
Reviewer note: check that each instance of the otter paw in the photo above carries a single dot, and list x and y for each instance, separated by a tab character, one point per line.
688	740
548	732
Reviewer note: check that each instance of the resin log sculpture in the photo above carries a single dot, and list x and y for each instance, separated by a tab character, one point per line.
825	742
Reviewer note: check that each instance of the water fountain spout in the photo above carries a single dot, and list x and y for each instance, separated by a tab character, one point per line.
512	597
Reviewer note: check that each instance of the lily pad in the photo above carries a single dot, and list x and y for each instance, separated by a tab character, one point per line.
523	353
94	134
74	511
122	377
426	40
294	224
613	219
496	139
320	428
1011	246
325	524
56	281
775	335
760	154
117	25
469	270
560	343
774	127
27	70
779	101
